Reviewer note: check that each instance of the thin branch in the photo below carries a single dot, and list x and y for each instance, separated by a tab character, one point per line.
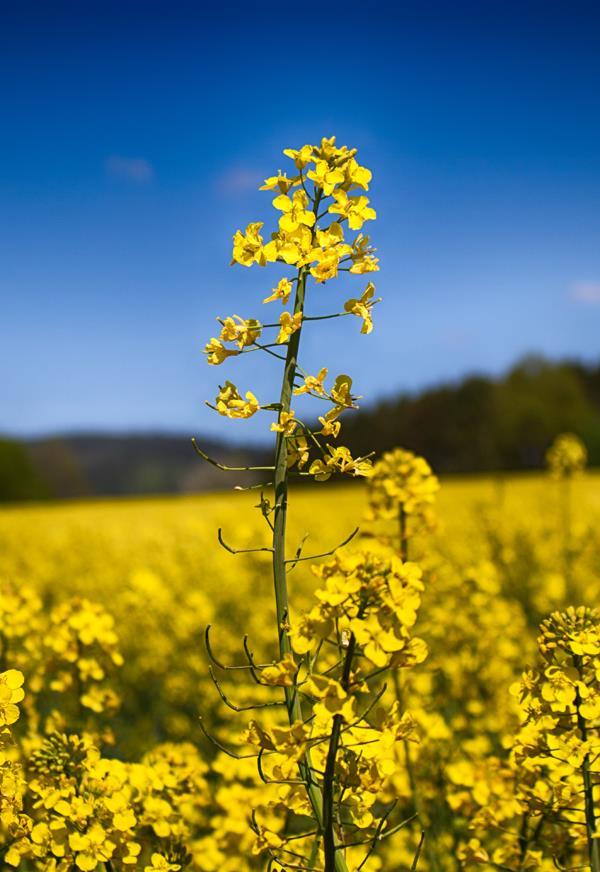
252	665
240	708
218	663
222	747
239	550
348	539
418	854
225	468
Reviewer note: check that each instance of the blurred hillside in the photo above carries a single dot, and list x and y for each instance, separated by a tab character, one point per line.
114	465
477	424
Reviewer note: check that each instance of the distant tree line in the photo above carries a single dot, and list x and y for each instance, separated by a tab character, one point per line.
478	424
484	424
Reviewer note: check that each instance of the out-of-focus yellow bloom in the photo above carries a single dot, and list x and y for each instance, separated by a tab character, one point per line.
159	863
567	456
402	481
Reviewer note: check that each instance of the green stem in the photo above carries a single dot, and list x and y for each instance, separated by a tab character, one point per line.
329	835
588	786
403	537
281	477
566	503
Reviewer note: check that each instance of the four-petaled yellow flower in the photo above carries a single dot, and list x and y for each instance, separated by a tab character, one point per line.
325	177
313	384
231	404
286	423
300	156
339	459
280	181
288	324
11	692
281	292
242	331
295	212
281	674
355	209
362	307
248	247
216	352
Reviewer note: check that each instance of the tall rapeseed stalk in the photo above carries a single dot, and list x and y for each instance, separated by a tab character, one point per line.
339	748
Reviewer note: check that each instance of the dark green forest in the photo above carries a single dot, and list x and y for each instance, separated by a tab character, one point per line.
484	424
478	424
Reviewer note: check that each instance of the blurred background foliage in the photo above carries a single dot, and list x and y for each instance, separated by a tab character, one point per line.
479	424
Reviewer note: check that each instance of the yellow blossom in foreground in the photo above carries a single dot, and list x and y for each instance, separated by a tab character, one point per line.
333	699
280	181
242	331
281	291
11	692
281	674
286	423
288	324
216	352
248	247
356	176
339	459
295	211
313	384
362	307
355	209
300	156
324	177
231	404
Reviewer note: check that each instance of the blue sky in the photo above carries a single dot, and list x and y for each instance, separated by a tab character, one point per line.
134	136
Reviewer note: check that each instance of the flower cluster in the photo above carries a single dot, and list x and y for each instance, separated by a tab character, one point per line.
87	810
315	204
547	791
358	629
567	456
402	481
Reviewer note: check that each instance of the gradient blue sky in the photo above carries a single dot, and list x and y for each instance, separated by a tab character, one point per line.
133	137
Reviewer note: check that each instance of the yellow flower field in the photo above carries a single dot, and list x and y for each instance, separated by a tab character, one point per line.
494	567
320	678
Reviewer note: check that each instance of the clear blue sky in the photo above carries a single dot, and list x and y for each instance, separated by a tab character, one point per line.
133	137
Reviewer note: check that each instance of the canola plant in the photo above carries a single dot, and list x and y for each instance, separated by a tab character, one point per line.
383	676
